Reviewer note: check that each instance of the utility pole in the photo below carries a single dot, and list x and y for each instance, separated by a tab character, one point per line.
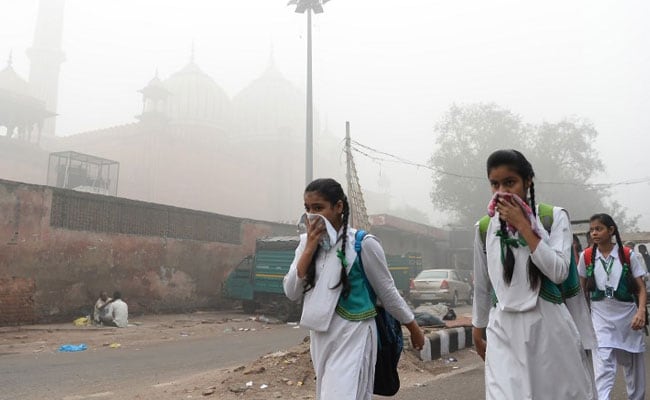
358	213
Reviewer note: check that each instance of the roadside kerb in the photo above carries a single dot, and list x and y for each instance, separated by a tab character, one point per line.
446	341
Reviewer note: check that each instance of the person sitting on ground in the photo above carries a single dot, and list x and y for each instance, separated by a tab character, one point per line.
100	307
117	312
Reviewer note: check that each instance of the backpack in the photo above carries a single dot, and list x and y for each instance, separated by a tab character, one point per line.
618	294
622	292
390	341
555	293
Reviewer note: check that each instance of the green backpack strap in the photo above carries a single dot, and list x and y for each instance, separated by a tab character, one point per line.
482	228
545	212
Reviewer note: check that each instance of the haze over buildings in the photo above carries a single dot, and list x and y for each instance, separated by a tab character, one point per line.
391	69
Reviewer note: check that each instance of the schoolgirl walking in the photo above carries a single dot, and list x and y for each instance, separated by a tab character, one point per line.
337	306
613	278
530	319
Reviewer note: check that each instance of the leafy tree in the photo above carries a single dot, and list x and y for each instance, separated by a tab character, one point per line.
561	153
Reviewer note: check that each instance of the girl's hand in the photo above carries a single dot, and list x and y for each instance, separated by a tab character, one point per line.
479	342
638	321
315	229
510	212
417	336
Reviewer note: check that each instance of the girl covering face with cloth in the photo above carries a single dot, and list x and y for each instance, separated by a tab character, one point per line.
524	301
336	305
613	277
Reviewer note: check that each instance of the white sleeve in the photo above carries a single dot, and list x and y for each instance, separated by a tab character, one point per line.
553	258
482	285
637	268
582	266
376	269
294	286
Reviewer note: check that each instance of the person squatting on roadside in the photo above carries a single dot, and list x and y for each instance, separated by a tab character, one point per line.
337	308
100	310
613	276
528	336
117	312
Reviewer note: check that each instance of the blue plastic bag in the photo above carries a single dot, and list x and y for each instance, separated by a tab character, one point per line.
73	347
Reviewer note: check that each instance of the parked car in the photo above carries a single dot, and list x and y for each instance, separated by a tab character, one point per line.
440	286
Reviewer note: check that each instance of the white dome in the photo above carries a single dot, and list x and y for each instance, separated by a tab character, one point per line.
270	105
196	99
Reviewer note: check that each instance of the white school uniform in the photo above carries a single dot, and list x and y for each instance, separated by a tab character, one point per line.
617	342
534	347
344	352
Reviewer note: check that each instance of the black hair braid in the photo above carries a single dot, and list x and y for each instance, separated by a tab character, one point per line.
509	262
631	282
532	198
310	276
591	280
344	273
534	274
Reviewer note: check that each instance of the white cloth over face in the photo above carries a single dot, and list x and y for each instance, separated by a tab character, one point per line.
534	349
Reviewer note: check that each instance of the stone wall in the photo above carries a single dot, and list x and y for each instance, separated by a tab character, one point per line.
60	248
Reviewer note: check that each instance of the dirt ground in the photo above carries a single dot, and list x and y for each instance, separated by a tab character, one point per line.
284	374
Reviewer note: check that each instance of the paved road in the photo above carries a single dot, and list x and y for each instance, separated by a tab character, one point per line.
59	375
467	383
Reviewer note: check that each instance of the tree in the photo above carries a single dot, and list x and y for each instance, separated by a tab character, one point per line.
561	153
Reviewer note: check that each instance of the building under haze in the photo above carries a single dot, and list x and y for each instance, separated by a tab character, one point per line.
191	145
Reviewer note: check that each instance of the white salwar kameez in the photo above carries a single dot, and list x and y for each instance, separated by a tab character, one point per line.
534	347
612	319
344	352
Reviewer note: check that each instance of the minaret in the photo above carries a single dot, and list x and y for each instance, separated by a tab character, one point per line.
46	57
154	101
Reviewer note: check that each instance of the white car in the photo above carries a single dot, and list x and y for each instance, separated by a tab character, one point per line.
440	286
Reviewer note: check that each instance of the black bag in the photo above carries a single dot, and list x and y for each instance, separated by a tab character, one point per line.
450	316
390	341
389	349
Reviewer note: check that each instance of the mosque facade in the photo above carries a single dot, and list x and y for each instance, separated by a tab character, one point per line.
191	145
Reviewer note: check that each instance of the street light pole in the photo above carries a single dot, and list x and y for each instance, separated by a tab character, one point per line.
309	142
317	7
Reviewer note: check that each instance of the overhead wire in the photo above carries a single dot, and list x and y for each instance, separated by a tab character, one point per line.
382	156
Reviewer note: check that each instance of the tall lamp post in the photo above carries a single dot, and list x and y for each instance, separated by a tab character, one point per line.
317	7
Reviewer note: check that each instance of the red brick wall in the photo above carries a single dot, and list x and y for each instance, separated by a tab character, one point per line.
17	301
60	248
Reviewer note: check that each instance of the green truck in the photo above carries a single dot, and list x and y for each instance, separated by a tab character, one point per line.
257	279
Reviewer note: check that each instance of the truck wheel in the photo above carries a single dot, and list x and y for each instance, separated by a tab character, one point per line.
249	306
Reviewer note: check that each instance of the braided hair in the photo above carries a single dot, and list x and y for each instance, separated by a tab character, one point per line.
331	191
608	221
516	160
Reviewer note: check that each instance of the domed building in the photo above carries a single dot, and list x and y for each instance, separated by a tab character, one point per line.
270	107
196	99
22	116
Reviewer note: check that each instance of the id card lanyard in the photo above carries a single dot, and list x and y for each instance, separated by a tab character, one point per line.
607	266
609	289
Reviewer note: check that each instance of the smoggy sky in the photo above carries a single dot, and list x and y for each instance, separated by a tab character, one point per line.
391	68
